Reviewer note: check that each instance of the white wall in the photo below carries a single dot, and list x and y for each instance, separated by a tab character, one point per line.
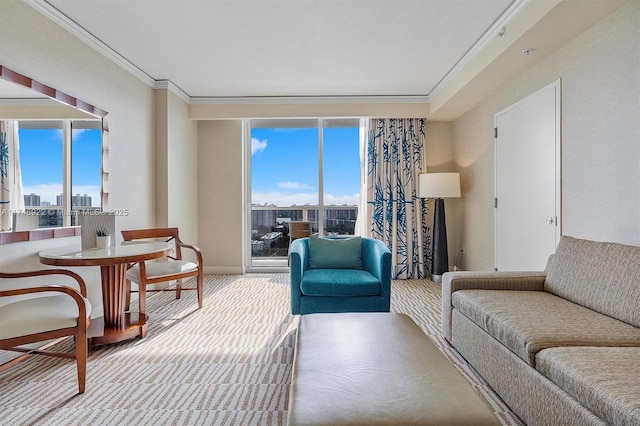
176	173
600	72
35	46
221	189
439	157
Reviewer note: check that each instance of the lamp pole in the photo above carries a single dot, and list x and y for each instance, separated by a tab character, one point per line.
439	186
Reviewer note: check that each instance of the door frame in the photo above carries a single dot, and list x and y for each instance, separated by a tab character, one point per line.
557	85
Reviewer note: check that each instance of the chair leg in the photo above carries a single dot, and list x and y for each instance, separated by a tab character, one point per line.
82	348
200	284
178	288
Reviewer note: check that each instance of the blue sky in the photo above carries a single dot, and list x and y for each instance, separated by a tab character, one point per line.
41	161
284	167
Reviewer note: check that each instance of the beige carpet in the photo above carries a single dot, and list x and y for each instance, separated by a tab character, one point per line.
226	364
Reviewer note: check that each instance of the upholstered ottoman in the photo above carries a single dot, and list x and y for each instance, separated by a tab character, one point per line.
376	369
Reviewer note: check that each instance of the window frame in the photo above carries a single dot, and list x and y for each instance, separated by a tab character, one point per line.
271	123
67	126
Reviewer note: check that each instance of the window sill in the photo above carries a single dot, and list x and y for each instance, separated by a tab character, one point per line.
38	234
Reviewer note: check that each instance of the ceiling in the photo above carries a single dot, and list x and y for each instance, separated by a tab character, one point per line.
447	53
230	48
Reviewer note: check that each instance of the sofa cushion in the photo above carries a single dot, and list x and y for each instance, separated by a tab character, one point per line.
339	282
335	253
529	321
604	380
601	276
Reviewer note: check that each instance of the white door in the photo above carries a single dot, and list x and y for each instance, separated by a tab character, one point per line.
527	213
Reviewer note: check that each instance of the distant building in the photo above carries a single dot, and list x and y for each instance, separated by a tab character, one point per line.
263	218
271	237
257	246
76	200
31	200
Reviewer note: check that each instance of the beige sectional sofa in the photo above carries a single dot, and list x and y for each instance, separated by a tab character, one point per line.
561	347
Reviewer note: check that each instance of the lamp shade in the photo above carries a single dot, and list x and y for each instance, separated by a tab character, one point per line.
439	185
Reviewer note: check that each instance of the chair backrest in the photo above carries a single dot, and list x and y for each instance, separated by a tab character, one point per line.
299	230
166	234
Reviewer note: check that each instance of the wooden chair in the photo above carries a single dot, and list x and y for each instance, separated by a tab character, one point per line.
171	268
299	230
42	313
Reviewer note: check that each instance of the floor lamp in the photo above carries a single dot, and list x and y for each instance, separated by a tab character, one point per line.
439	186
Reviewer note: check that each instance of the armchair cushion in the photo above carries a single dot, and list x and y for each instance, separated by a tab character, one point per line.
335	253
161	269
339	282
39	314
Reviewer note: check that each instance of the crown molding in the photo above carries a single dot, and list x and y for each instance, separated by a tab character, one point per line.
173	88
513	10
29	102
288	100
71	26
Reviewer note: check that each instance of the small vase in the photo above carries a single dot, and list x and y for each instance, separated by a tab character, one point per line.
103	242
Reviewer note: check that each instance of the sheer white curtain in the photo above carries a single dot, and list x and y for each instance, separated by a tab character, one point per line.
361	227
394	213
11	196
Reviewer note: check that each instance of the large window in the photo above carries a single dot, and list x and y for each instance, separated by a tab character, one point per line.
61	167
301	170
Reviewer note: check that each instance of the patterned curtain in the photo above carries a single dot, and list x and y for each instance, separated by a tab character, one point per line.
11	197
395	213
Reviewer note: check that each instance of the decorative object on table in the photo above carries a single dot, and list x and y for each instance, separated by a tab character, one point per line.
439	186
92	221
103	239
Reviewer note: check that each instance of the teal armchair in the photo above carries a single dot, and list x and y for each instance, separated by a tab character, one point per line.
317	285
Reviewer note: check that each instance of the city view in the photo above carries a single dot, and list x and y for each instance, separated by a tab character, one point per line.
42	167
51	215
291	182
297	174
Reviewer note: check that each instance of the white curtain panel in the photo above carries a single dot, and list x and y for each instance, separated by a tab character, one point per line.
395	214
11	196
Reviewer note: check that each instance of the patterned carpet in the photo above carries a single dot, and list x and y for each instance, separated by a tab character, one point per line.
226	364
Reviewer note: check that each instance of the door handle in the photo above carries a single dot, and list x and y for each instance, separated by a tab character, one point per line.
550	220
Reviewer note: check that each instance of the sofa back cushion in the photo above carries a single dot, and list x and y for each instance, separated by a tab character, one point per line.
335	253
601	276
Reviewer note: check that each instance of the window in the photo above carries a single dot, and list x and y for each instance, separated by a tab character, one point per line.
301	170
55	188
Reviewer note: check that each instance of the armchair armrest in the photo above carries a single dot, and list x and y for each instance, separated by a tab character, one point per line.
195	249
376	259
501	280
41	272
298	253
78	296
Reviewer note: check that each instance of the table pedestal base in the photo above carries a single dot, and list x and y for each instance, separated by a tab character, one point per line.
132	325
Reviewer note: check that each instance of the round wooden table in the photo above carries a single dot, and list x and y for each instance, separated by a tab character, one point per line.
116	324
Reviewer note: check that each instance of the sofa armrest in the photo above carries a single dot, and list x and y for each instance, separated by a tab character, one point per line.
501	280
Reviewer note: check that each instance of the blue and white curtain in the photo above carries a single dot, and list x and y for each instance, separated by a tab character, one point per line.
395	214
11	197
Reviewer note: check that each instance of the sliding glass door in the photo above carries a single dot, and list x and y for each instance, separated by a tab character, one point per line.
300	170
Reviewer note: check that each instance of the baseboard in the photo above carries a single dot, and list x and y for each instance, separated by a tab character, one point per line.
224	270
